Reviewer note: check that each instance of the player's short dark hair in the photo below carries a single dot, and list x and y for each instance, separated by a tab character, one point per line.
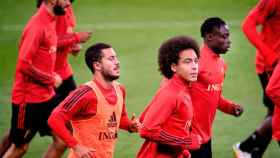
210	24
170	50
94	54
39	2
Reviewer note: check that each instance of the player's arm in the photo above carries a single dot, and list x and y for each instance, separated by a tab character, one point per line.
158	112
131	125
68	40
71	39
28	48
67	110
229	107
257	16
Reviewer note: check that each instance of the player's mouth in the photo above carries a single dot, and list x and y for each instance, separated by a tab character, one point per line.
194	74
117	68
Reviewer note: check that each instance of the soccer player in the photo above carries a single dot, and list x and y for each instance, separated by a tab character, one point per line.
96	110
167	120
267	42
206	93
33	90
68	42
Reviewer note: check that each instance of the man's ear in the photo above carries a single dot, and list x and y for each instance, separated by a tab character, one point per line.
174	67
209	36
96	65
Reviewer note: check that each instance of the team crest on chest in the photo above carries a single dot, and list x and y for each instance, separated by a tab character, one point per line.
188	124
52	49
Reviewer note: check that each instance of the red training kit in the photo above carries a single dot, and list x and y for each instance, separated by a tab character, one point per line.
206	93
167	121
267	14
66	40
267	41
82	104
34	78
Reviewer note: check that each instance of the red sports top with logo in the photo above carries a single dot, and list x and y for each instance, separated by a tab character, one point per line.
206	93
66	40
167	121
267	14
81	104
34	77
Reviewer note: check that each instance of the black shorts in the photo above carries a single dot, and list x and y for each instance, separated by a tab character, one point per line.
65	88
205	151
29	119
264	79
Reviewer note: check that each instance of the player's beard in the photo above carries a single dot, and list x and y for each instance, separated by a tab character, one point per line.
108	77
58	10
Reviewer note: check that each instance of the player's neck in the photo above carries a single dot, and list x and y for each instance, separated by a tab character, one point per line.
104	83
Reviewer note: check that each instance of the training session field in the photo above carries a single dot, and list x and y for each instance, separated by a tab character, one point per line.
136	28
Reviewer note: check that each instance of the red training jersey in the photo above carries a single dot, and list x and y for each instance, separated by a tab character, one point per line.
167	121
66	40
82	104
267	14
34	77
206	93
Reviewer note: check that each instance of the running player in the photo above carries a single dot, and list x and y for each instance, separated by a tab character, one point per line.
267	41
167	120
33	90
206	93
96	110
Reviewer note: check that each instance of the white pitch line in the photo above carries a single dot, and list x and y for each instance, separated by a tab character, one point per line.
127	25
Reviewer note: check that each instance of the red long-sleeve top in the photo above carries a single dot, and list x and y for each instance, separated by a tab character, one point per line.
82	104
206	93
167	121
66	40
267	41
34	77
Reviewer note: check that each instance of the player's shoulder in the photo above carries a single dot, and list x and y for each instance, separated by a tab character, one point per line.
169	91
266	5
121	86
33	26
83	91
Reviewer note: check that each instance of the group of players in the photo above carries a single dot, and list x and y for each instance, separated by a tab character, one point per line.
176	123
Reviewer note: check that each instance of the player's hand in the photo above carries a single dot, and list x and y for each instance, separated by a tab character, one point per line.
57	80
135	124
238	110
196	141
83	152
76	49
84	36
185	154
